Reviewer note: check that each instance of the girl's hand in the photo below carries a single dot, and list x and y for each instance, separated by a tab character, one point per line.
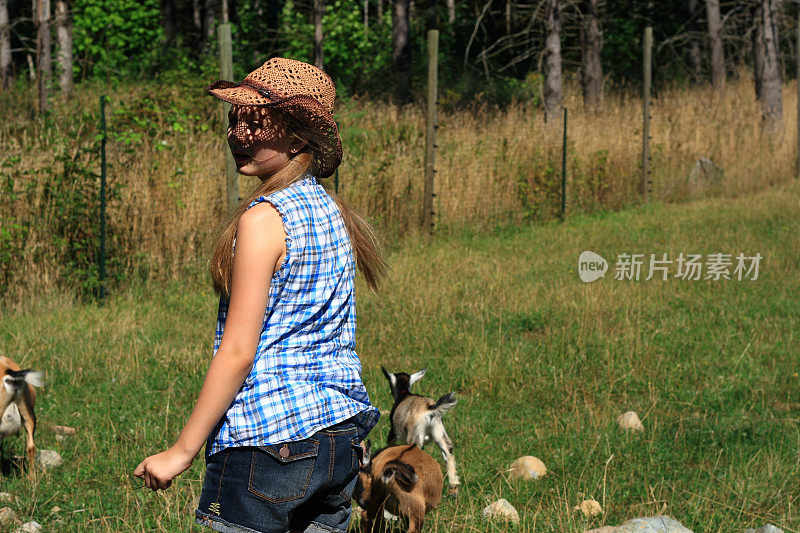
159	470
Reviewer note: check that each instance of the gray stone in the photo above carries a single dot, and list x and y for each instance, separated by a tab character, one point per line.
648	524
589	508
768	528
501	510
528	467
48	459
64	430
29	527
630	422
8	518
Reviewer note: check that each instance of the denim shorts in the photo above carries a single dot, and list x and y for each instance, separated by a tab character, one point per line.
261	489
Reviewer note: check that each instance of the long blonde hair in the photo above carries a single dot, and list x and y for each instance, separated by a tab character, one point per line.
363	237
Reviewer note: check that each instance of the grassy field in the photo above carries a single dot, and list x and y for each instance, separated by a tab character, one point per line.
542	362
166	146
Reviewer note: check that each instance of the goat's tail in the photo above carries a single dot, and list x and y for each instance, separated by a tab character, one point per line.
16	379
403	474
445	403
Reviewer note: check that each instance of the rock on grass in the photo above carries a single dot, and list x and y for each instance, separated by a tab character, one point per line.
767	528
647	524
8	519
501	510
630	421
64	430
589	508
48	459
29	527
528	467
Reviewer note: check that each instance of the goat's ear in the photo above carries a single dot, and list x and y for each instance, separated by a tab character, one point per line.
390	377
416	376
406	476
366	458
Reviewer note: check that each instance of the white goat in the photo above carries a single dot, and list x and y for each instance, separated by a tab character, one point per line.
418	419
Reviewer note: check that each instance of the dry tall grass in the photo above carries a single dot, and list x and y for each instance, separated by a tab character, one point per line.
166	161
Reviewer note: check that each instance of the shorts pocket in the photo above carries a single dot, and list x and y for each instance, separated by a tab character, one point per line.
278	477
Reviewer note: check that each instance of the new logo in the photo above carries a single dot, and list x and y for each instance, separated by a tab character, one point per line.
591	266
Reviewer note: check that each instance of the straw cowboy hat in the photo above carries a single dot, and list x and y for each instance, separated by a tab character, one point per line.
301	92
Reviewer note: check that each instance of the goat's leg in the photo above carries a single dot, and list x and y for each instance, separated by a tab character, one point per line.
29	422
366	521
372	516
414	509
417	435
446	446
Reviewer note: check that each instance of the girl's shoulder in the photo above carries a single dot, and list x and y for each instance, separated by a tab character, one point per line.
293	193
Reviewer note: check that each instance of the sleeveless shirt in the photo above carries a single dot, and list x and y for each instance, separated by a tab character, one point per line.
306	375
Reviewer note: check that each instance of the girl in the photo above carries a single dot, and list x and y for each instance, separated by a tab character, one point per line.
282	410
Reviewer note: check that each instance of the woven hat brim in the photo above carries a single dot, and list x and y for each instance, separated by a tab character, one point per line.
300	106
236	93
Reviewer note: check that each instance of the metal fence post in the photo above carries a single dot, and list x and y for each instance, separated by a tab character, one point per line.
102	197
226	73
430	132
648	69
564	170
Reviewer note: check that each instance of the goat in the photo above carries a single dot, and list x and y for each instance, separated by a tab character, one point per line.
17	398
403	480
417	419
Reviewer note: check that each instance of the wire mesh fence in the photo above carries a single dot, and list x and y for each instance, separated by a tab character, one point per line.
167	190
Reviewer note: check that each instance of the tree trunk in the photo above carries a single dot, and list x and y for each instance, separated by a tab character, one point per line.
273	13
380	10
401	52
758	54
197	19
208	21
768	72
451	11
5	47
430	15
168	19
695	56
552	83
366	20
508	17
319	10
43	51
715	38
233	11
64	34
591	45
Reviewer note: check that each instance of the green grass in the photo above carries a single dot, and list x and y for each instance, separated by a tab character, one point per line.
542	363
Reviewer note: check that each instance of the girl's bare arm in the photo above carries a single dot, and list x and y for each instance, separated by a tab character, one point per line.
260	246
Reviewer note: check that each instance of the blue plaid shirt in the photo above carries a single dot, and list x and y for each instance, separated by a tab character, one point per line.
306	375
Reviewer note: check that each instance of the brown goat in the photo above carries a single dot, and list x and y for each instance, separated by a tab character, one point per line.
403	480
17	399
